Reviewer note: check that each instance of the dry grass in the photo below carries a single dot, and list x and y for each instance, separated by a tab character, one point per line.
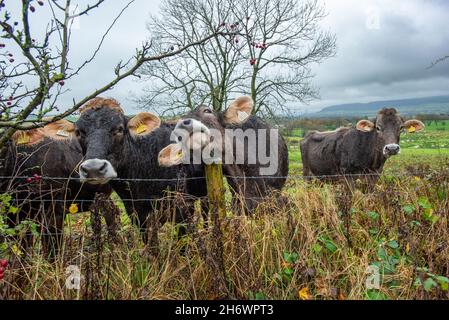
401	226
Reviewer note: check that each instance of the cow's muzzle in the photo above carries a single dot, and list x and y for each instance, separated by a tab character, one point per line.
391	149
192	133
97	171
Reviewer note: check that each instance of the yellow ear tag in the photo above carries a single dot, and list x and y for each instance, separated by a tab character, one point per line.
179	154
411	129
367	128
73	208
141	128
24	139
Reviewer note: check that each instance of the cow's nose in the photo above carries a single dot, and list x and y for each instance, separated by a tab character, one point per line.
97	171
392	149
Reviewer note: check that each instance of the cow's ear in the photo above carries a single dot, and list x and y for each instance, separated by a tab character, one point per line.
59	130
239	110
171	155
413	125
28	137
143	123
365	126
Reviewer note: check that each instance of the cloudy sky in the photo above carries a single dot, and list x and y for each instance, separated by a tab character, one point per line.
384	49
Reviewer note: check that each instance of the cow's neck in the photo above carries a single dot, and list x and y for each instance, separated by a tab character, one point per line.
139	157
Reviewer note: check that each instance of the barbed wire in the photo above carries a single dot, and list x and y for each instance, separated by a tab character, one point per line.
343	175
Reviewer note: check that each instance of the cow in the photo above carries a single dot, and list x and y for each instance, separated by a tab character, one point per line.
362	150
249	176
123	152
41	165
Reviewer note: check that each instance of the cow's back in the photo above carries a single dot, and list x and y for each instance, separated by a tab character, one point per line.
319	152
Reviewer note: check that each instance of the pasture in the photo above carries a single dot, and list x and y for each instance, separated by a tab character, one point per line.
321	245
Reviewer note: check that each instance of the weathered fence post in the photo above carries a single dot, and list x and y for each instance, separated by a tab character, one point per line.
217	212
215	189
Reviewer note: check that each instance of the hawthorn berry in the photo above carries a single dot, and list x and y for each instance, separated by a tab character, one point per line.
4	263
32	8
41	3
61	83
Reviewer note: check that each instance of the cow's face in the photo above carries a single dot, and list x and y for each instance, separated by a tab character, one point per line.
102	131
388	127
194	129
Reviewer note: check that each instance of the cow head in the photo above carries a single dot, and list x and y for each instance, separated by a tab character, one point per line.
194	129
102	131
388	126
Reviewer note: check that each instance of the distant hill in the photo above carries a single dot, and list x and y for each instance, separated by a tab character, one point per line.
410	107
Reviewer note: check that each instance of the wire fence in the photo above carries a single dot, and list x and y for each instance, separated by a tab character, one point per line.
262	177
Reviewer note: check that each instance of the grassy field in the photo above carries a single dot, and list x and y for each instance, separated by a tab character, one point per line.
321	245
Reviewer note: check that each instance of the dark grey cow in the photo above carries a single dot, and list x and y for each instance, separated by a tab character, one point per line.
360	150
254	155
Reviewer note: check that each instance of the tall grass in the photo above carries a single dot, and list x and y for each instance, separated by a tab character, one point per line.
318	246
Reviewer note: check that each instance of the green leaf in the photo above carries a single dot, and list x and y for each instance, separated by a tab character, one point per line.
13	210
393	244
424	203
376	295
260	296
408	209
373	215
291	257
288	271
317	248
382	254
444	282
329	244
429	284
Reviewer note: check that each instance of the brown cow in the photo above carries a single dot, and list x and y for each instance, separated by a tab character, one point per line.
52	152
353	151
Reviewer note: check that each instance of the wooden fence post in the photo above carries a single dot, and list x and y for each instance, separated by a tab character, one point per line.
217	212
215	189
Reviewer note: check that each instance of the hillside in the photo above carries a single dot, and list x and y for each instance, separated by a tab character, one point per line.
434	105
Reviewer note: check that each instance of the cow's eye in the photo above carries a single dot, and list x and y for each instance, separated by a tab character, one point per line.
79	133
378	128
118	130
207	111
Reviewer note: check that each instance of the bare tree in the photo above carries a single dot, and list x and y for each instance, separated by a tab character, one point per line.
271	47
195	76
31	83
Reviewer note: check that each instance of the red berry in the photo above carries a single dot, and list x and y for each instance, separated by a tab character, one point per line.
29	180
252	61
61	83
9	103
4	263
41	3
32	8
2	45
11	60
10	55
2	269
247	18
10	98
